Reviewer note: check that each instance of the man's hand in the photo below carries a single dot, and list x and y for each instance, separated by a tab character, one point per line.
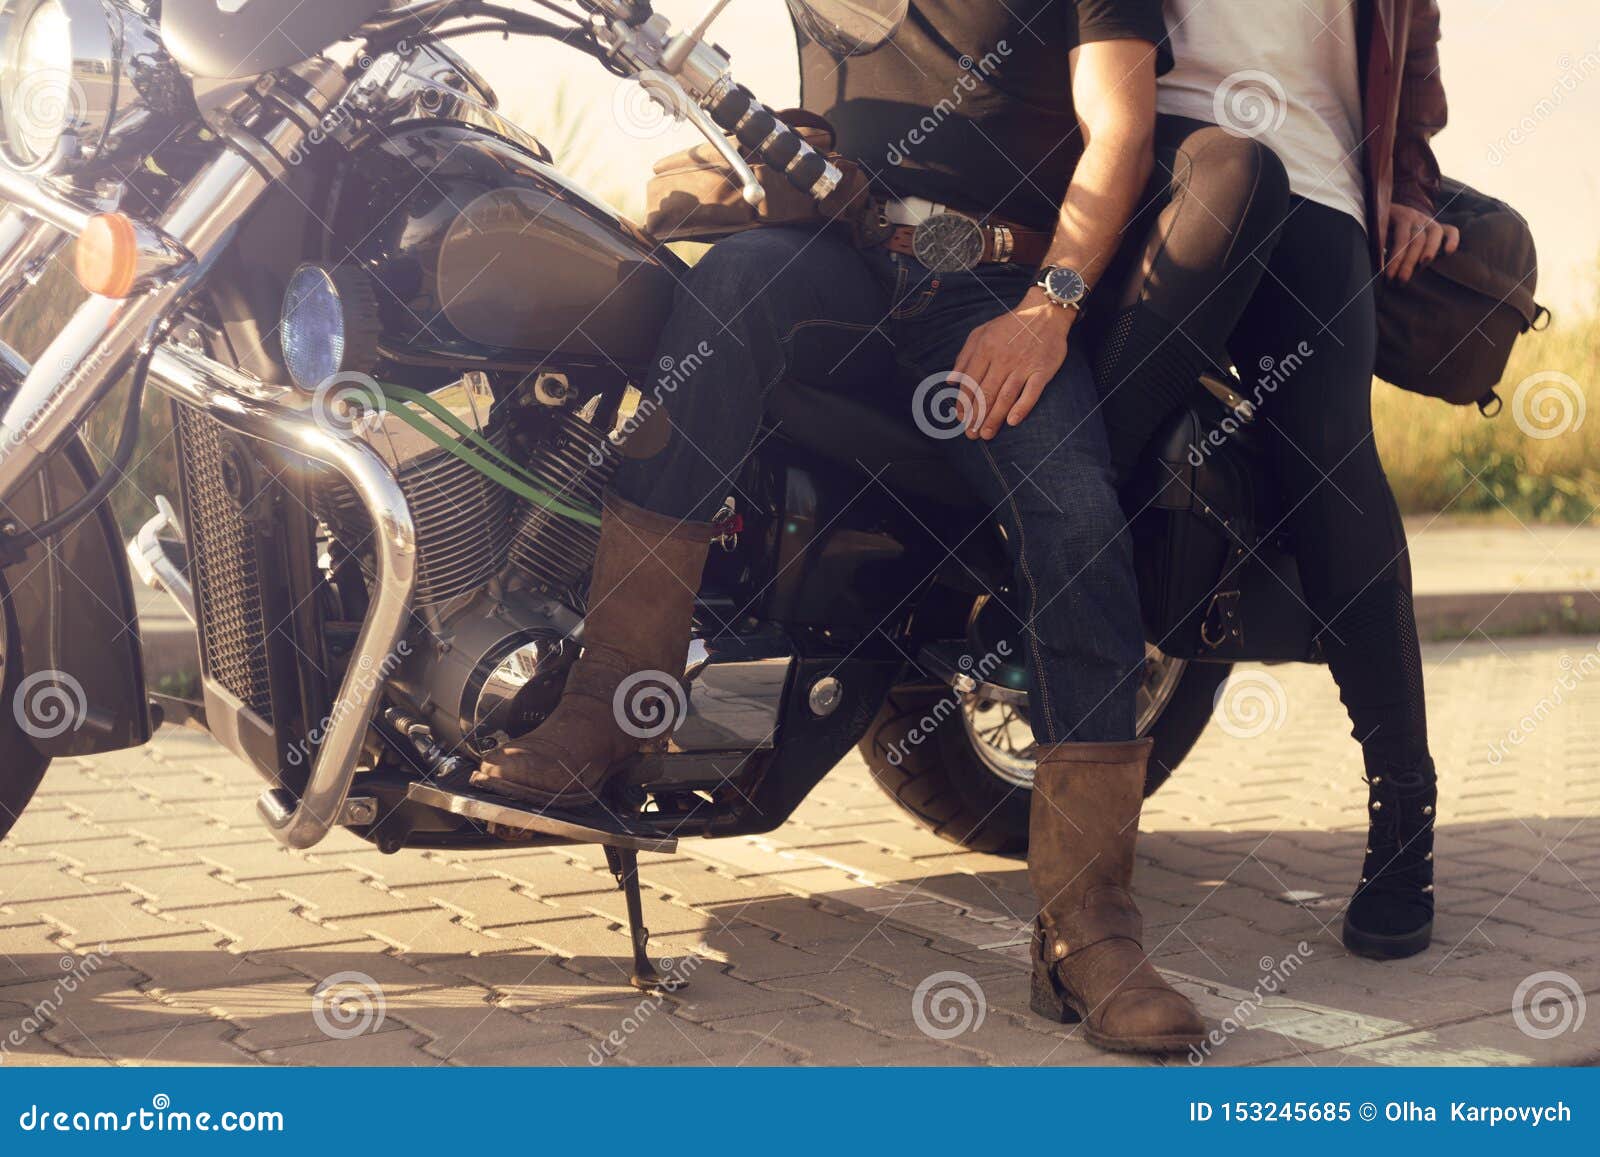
1415	239
1011	359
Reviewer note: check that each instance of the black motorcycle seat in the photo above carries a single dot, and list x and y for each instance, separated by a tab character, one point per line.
874	431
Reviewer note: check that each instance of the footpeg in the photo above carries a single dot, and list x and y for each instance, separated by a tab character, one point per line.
559	826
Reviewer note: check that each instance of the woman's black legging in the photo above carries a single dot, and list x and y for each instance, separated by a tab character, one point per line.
1235	269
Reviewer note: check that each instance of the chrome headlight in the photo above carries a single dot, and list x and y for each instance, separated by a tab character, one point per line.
81	81
329	324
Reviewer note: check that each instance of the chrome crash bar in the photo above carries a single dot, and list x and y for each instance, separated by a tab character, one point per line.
281	417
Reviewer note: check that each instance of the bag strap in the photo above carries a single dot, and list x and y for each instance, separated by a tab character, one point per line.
1468	271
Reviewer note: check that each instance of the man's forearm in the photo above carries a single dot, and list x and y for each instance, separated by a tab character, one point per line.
1105	191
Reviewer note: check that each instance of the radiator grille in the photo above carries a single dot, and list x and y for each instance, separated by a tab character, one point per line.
224	567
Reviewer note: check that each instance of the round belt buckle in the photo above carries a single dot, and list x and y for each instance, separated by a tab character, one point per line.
948	243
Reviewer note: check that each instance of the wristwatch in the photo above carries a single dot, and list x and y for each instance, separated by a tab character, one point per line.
1063	286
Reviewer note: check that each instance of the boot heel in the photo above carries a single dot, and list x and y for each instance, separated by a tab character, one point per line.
1046	999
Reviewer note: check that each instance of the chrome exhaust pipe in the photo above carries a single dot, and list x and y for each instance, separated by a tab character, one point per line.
280	416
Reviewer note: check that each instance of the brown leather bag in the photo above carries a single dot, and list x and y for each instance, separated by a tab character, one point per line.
694	196
1448	332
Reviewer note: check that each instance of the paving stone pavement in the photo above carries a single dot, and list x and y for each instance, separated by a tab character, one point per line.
145	917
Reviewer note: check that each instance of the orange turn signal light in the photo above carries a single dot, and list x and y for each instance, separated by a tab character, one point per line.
107	257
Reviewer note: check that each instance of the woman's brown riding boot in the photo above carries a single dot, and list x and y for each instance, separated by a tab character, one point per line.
625	689
1088	964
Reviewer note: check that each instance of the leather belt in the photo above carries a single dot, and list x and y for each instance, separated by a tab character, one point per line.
1001	243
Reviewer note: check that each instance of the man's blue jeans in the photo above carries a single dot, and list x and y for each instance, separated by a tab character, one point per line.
774	302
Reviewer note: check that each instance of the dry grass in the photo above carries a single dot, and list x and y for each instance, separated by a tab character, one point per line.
1440	457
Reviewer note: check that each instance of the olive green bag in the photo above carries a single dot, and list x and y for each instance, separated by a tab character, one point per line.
1449	332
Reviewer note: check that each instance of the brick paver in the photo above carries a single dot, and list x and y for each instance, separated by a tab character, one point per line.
144	918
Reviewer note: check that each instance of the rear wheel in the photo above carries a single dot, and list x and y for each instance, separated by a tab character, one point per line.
963	765
21	767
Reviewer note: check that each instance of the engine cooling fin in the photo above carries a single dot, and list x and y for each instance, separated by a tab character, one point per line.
464	522
576	461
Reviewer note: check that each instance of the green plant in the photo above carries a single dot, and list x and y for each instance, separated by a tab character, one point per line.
1443	458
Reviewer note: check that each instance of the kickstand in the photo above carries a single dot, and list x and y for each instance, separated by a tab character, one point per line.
624	865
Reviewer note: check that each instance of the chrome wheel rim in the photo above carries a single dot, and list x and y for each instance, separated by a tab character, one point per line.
1003	740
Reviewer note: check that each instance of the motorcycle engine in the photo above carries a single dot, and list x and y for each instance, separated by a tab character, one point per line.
499	578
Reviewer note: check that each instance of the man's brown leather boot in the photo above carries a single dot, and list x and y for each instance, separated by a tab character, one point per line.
1088	963
625	689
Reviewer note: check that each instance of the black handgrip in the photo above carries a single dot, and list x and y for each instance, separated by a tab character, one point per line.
758	130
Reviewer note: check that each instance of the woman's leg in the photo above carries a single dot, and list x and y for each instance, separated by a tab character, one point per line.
1216	201
1318	305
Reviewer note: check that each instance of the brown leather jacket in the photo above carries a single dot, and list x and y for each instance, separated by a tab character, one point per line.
1404	105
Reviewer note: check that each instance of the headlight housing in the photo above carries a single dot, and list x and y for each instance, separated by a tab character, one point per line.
82	82
329	324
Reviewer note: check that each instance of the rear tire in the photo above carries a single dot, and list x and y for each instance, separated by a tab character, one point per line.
21	767
923	753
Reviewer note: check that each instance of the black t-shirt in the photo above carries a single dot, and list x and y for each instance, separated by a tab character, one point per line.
970	103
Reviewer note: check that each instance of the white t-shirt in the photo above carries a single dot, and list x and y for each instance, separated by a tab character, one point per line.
1283	71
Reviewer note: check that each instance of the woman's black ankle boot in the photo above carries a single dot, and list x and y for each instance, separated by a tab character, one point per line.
1391	914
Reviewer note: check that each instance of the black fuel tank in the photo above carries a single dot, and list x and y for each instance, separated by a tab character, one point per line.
489	253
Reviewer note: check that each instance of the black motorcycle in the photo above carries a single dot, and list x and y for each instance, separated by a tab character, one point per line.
398	346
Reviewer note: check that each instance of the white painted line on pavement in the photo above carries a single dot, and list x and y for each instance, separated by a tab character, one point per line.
918	909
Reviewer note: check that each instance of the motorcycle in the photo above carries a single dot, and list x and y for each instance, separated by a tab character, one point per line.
399	345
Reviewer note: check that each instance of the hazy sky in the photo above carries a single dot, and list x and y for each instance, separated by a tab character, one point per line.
1523	78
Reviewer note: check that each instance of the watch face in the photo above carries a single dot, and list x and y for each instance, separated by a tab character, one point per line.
948	243
1065	285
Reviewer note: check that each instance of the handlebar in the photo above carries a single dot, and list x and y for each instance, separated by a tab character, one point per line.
737	111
